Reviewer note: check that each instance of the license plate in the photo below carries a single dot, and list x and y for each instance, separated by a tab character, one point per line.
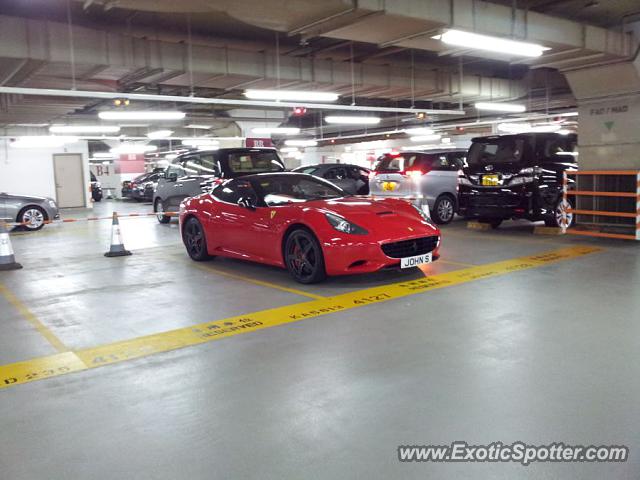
490	180
409	262
389	186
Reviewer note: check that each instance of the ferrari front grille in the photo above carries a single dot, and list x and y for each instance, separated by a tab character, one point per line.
409	248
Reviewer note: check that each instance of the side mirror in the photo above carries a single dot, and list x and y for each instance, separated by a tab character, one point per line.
171	176
247	202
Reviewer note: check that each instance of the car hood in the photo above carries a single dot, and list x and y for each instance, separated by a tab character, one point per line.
384	217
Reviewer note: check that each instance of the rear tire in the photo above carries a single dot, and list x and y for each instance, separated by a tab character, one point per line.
195	240
443	210
33	218
158	207
303	257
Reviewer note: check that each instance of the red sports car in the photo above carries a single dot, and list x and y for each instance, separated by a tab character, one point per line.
307	225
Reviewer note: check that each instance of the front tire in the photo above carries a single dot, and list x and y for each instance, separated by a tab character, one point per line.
158	207
195	240
443	210
33	218
303	257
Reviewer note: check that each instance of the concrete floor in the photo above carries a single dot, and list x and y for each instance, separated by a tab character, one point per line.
542	355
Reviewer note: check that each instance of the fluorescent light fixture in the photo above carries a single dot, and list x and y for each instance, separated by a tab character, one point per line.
418	131
44	141
514	127
171	156
84	129
501	107
568	114
103	155
106	162
352	120
159	134
568	154
208	147
291	95
488	43
277	130
300	143
200	142
289	149
142	115
433	146
546	128
199	127
426	138
133	148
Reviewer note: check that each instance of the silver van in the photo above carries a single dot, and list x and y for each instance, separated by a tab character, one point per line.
424	177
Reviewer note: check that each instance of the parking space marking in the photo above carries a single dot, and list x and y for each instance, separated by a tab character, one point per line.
88	358
207	267
32	319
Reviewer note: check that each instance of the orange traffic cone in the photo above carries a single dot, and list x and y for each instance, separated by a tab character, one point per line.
117	247
7	258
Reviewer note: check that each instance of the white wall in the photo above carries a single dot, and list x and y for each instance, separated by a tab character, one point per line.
29	171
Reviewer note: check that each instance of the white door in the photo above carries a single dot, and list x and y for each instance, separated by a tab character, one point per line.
69	178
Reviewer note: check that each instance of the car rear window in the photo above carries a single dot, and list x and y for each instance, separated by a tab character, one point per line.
399	163
494	151
255	162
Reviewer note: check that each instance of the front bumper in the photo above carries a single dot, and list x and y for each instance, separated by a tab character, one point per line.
503	203
347	256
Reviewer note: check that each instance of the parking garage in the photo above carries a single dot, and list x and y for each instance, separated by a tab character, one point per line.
337	239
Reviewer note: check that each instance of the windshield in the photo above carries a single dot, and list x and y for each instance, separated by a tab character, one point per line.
398	162
495	151
281	189
255	161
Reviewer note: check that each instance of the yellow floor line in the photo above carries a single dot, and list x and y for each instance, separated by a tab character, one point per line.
210	268
32	319
458	264
84	359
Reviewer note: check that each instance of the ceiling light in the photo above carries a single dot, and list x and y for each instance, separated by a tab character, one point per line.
501	107
288	149
352	120
133	148
159	134
199	127
84	129
103	155
300	143
568	114
42	141
426	138
291	95
277	130
514	127
418	131
171	156
142	115
208	147
200	142
476	41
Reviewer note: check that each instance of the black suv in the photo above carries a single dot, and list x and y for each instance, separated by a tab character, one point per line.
517	176
183	177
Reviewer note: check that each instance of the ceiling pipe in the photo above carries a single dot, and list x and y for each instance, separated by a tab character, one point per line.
143	97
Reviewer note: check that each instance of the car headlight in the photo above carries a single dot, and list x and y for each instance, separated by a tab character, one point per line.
52	204
424	216
344	226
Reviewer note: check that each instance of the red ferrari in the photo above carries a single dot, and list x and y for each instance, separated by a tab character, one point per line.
307	225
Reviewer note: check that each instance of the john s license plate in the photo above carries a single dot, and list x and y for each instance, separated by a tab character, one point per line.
409	262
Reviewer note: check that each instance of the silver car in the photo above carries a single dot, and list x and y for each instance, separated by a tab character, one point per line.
426	178
32	211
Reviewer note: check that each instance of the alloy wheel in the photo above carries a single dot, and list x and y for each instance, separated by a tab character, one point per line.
304	257
445	210
33	218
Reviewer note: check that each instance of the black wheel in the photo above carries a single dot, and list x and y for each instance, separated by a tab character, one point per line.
303	257
96	198
33	218
195	240
562	218
443	210
158	207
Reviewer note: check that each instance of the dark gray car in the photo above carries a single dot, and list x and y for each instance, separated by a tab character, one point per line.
32	211
352	179
183	177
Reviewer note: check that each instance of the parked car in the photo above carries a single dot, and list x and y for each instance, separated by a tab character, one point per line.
130	188
183	178
351	178
96	188
518	176
30	210
426	178
306	225
144	189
